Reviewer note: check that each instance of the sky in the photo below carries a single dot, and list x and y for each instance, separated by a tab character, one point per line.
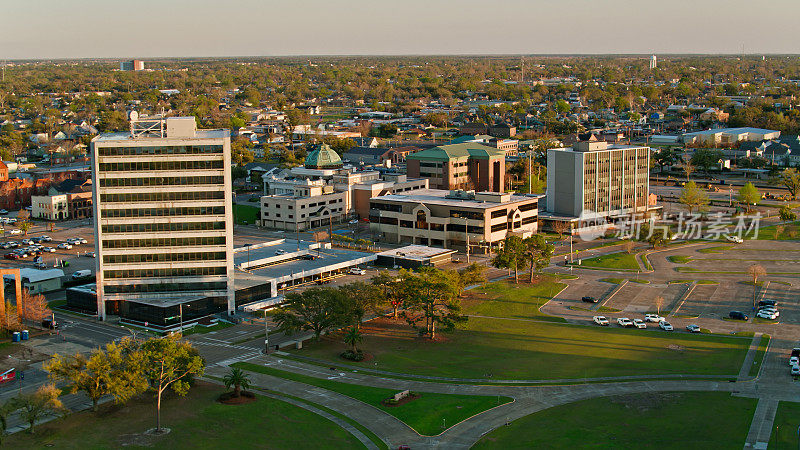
40	29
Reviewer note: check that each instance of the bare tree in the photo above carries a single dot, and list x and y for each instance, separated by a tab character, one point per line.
659	304
756	271
561	228
628	246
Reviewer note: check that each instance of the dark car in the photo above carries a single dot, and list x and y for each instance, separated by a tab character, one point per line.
767	303
738	315
11	256
308	257
50	324
588	299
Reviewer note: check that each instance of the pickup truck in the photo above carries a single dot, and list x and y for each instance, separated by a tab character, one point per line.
625	322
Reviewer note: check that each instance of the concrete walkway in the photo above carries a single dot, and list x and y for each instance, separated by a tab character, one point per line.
761	427
744	372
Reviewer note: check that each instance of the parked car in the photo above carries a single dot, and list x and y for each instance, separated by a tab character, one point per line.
625	322
767	303
664	325
734	239
588	299
693	328
64	246
48	249
3	211
356	271
15	231
280	251
738	315
795	371
600	320
639	323
46	238
90	254
50	324
11	255
794	358
40	265
764	314
27	241
655	318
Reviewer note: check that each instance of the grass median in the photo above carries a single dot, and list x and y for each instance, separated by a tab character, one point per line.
429	414
621	260
657	420
785	426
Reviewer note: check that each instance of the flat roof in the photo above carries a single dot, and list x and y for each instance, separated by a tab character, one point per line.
416	252
126	136
437	197
326	260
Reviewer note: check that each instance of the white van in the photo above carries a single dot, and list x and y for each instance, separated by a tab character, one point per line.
81	274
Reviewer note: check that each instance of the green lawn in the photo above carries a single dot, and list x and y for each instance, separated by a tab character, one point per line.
790	231
654	420
784	429
197	422
679	259
760	352
199	329
426	414
717	249
620	260
519	349
518	301
245	214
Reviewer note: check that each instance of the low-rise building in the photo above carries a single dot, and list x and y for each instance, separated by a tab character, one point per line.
468	165
50	207
453	219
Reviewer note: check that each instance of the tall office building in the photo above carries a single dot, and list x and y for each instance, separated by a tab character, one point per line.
163	221
598	180
132	65
653	62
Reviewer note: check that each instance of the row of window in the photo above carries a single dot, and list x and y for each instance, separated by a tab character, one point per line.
157	227
164	287
160	181
164	212
162	196
164	257
160	165
158	273
164	242
160	150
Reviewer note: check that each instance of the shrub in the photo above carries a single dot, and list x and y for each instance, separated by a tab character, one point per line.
353	356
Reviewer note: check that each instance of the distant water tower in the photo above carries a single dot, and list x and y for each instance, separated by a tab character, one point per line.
653	62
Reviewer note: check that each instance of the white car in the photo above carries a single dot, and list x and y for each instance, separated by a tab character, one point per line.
625	322
48	249
639	323
15	231
767	315
734	239
27	241
794	360
655	318
280	251
46	238
693	328
664	325
357	271
353	222
795	370
600	320
64	246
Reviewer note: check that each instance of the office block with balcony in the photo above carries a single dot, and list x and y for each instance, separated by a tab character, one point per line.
453	219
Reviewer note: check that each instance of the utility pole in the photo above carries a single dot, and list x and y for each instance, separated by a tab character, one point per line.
266	333
180	308
530	171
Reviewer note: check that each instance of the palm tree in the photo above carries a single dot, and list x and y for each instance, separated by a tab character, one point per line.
353	337
238	379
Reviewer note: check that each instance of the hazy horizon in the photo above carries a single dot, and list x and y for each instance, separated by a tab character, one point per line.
95	29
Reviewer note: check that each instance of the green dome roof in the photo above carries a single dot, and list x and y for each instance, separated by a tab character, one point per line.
323	158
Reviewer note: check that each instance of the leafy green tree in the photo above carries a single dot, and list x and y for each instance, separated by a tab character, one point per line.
537	253
432	298
169	363
353	337
25	226
786	214
790	178
361	298
692	196
111	371
472	274
391	288
511	256
748	195
5	411
35	406
238	379
665	157
659	237
315	309
705	158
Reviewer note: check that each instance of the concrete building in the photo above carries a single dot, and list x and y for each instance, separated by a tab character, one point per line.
453	219
39	281
415	256
597	180
132	65
163	221
322	191
729	136
468	166
50	207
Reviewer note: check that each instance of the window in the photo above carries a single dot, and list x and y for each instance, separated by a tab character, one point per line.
499	213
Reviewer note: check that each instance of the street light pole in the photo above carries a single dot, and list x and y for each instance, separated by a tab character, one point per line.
266	334
180	308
